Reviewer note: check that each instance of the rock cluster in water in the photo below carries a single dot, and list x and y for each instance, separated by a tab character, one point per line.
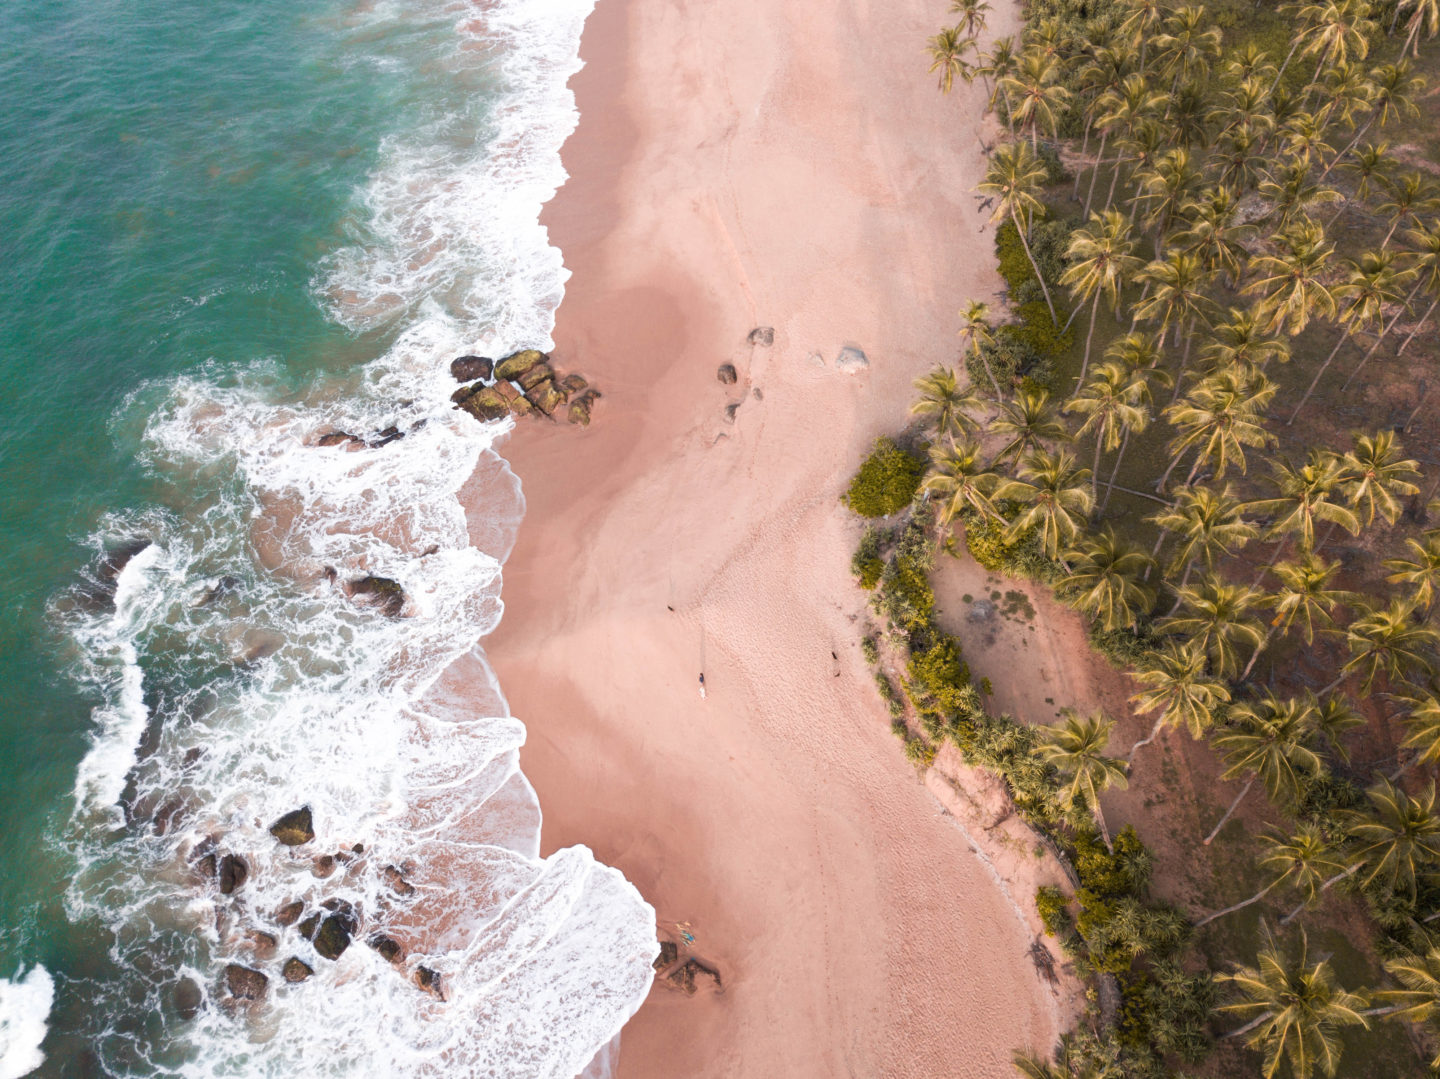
522	384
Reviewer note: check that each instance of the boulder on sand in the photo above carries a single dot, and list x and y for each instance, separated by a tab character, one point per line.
244	983
726	374
574	383
469	368
669	952
762	335
295	827
486	405
295	970
851	360
430	981
517	363
546	396
536	375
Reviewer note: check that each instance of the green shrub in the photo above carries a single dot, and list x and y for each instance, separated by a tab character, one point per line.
1023	557
1054	168
1054	908
938	674
867	563
1037	332
886	482
870	650
1124	648
919	752
893	701
905	596
1015	265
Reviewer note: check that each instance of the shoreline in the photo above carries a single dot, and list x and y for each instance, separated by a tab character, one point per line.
855	929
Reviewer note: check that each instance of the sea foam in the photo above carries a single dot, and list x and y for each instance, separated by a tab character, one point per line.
24	1010
242	679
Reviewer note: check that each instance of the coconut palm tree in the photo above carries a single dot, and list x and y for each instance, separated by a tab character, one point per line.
996	65
1379	477
1387	641
1288	187
1398	840
1411	196
960	479
1101	257
1217	620
1106	580
947	55
1296	1011
1013	180
1303	860
1340	31
1291	283
1220	416
1370	165
1165	190
1336	717
1305	495
1273	740
1304	597
1210	232
1427	265
1114	403
1188	44
1241	341
977	329
1119	111
1418	999
1424	14
1179	690
1028	422
1207	523
1421	721
1054	495
1104	72
972	16
1037	93
1237	157
1372	283
1393	92
1420	573
1176	299
948	406
1076	749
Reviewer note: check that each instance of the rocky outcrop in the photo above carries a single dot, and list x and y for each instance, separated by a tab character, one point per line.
669	952
726	374
517	363
385	437
685	977
383	592
536	375
470	368
396	880
295	970
245	984
295	827
580	408
573	384
338	438
232	873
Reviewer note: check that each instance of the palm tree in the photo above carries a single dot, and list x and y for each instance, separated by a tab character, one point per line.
1241	341
1187	45
1272	740
958	477
1379	476
1334	718
945	403
947	55
1288	187
1218	621
1028	422
1305	596
1166	190
1305	495
1372	283
1303	860
1340	30
1055	496
1013	180
1179	690
1398	840
1422	731
1101	260
1393	89
977	329
1040	97
1076	749
1419	573
1121	110
1295	1012
1211	233
1220	416
1370	165
1113	403
1176	299
1410	196
1105	72
1106	580
1387	641
1419	998
972	15
1207	523
1427	264
1424	14
1291	284
997	65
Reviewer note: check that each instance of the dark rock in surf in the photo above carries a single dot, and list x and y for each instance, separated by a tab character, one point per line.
223	587
188	998
115	561
669	952
384	592
244	983
332	938
517	363
323	866
387	436
345	911
396	880
336	438
469	368
290	913
207	867
309	925
169	815
295	827
295	970
465	391
486	405
430	982
726	374
233	873
389	950
264	943
762	335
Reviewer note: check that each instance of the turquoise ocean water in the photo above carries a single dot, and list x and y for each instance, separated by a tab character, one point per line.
226	229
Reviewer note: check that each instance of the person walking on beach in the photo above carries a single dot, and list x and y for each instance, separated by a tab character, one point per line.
702	685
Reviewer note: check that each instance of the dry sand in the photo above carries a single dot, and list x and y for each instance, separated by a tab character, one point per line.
742	163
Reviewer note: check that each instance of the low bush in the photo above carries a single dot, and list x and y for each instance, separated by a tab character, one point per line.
886	482
867	563
937	676
1053	906
919	752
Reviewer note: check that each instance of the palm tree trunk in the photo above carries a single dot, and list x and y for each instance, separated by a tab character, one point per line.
1248	1027
1264	643
1318	375
1238	906
1110	195
989	373
1095	172
1281	73
1341	155
1114	470
1014	217
1160	486
1216	831
1338	876
1423	319
1154	733
1095	473
1184	361
1384	330
1084	145
1104	830
1089	334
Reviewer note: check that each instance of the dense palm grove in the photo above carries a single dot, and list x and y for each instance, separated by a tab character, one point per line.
1150	428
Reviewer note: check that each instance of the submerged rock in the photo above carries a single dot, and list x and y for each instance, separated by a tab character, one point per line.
762	335
295	970
188	998
396	880
115	560
309	925
332	938
295	827
323	866
387	436
387	594
264	943
290	913
244	983
337	438
469	368
517	363
730	410
389	949
684	976
726	374
233	873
